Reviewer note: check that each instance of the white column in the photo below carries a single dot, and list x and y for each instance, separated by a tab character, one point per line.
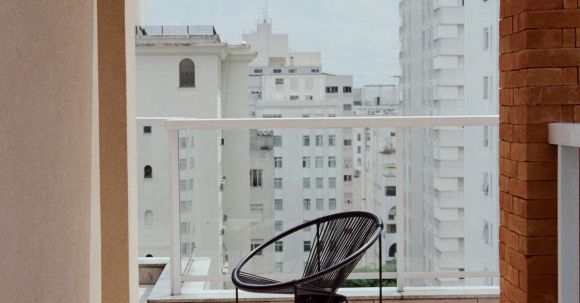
568	242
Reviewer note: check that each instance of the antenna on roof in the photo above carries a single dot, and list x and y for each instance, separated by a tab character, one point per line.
266	12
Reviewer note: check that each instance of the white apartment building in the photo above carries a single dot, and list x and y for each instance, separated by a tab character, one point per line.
186	71
313	172
374	157
481	143
443	75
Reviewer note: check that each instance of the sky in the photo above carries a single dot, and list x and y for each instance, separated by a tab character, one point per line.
355	37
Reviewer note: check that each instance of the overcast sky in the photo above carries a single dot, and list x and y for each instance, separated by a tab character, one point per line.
358	37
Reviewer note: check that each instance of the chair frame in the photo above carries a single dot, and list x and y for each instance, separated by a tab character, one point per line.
294	284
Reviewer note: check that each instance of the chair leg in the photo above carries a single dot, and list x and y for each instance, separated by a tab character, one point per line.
380	270
236	295
295	294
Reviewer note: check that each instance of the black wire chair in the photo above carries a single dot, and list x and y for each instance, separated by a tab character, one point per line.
339	243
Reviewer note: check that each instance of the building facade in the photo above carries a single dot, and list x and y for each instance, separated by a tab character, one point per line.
449	71
186	71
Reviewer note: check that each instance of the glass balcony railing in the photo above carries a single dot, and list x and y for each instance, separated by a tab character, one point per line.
222	187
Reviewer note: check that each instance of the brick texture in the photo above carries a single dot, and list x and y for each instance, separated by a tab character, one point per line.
539	84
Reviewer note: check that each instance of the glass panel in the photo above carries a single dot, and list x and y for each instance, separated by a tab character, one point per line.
452	209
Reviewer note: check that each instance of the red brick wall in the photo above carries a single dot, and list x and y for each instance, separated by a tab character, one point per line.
539	84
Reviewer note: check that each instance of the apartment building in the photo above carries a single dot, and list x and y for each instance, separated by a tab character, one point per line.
375	160
481	143
186	71
449	71
313	173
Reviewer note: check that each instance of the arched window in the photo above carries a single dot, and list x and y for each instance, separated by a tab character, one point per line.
393	250
149	217
148	172
392	213
186	73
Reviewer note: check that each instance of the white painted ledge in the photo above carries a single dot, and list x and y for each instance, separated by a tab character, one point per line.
565	134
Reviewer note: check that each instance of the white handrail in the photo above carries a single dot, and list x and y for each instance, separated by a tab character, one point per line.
330	122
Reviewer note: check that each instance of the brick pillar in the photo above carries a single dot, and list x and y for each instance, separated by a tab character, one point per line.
539	85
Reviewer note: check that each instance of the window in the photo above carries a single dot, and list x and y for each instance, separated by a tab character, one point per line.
486	136
486	87
278	162
347	107
307	246
185	206
347	163
306	183
191	163
391	228
149	217
146	129
256	213
278	204
185	227
278	267
279	246
358	137
318	163
332	89
485	185
182	185
390	191
486	38
147	172
278	225
347	89
254	243
305	115
293	97
279	81
257	71
393	250
186	73
347	178
306	204
332	161
309	97
277	71
272	116
319	139
190	184
392	213
182	142
332	182
358	149
277	141
278	183
331	140
315	70
182	164
486	233
292	70
319	204
348	198
347	142
256	178
378	100
319	182
306	228
306	162
305	140
184	248
331	204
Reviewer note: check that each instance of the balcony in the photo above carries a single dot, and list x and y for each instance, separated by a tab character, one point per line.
301	177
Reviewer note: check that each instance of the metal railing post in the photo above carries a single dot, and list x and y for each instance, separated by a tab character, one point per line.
400	214
173	148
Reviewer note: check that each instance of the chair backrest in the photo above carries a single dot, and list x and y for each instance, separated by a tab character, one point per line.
334	241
